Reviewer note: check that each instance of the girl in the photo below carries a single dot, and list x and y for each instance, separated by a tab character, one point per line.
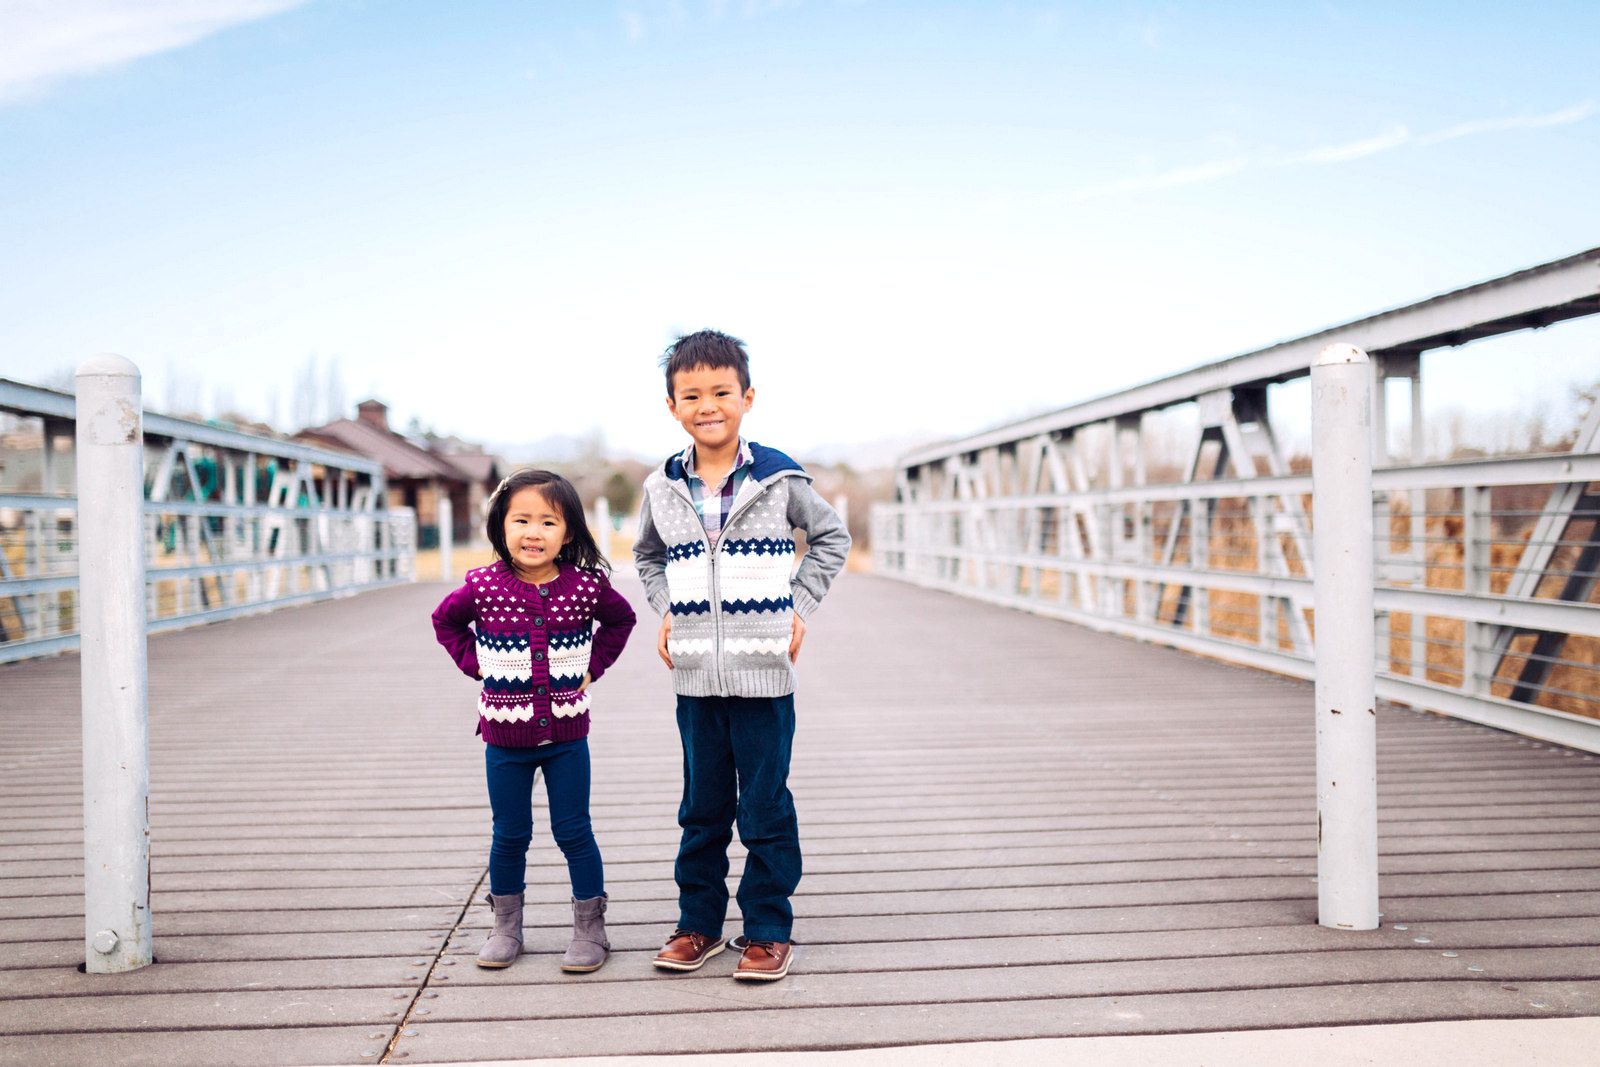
537	650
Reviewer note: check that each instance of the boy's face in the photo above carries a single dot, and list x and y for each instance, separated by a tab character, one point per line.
709	404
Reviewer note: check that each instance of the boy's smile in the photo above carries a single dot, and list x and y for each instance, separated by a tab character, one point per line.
709	405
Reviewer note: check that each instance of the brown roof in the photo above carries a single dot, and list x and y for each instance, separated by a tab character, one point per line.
400	458
479	466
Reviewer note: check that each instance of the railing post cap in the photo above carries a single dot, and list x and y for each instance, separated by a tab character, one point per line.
108	364
1339	352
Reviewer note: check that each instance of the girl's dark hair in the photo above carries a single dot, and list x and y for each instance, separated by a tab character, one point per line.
711	349
580	551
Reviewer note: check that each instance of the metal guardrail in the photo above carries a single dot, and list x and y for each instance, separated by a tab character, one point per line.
1486	570
204	562
1465	624
234	523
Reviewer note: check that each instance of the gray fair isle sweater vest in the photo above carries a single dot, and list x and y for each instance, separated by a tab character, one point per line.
732	606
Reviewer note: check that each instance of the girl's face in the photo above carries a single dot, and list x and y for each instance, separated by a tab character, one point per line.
535	533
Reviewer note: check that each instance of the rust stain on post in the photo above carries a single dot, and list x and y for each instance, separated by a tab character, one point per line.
128	422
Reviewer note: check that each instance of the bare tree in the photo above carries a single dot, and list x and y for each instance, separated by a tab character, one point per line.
182	392
333	400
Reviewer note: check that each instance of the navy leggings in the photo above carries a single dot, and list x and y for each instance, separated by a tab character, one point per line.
566	784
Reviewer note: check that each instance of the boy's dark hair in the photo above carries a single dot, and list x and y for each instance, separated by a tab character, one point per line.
580	551
708	348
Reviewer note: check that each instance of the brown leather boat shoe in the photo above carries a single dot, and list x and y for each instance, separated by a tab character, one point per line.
765	961
688	951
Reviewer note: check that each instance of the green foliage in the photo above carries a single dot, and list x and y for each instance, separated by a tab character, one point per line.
620	493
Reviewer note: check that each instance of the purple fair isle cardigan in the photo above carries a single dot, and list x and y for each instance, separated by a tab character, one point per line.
533	644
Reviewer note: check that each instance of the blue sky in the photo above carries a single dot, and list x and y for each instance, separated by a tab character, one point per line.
925	218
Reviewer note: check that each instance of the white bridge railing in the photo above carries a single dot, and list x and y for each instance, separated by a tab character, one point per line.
1467	623
234	523
1487	604
203	562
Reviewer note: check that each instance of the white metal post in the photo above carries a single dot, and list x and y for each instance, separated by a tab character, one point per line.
1476	534
1342	532
447	535
602	525
1419	530
116	734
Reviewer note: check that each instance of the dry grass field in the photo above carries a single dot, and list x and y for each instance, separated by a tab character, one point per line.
1572	684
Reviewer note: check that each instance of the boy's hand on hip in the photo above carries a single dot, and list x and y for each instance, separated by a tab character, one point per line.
797	634
661	640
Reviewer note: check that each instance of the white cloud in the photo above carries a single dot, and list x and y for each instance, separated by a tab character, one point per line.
1203	172
1393	137
1575	113
757	8
1151	32
640	19
45	41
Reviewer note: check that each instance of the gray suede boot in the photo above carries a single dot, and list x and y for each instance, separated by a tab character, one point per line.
589	945
505	940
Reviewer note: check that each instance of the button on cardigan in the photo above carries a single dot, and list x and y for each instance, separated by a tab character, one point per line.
532	644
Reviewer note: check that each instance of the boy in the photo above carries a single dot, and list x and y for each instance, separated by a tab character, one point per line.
715	551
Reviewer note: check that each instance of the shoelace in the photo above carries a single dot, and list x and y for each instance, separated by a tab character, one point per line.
769	947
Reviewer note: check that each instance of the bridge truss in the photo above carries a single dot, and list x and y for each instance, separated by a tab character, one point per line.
234	523
1486	569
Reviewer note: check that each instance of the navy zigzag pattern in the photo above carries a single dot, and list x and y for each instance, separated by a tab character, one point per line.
759	546
565	682
690	607
494	684
688	550
777	604
504	642
567	638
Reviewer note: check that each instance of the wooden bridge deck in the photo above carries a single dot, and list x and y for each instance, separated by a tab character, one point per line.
1013	828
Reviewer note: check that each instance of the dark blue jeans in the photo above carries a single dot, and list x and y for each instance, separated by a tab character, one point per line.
736	767
566	784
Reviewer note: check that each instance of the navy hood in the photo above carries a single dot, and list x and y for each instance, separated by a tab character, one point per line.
764	463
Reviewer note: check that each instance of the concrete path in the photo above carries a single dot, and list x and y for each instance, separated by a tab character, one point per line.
1527	1043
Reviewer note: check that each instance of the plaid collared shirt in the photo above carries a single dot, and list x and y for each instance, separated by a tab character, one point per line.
714	502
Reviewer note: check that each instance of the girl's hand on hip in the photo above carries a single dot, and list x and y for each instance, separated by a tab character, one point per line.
586	680
661	640
797	634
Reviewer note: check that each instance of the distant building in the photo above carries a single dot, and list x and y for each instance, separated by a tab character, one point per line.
483	469
418	477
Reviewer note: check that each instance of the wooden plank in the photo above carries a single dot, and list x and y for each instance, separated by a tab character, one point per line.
822	986
283	1046
174	977
225	947
1106	844
1194	948
174	924
919	1024
213	1010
